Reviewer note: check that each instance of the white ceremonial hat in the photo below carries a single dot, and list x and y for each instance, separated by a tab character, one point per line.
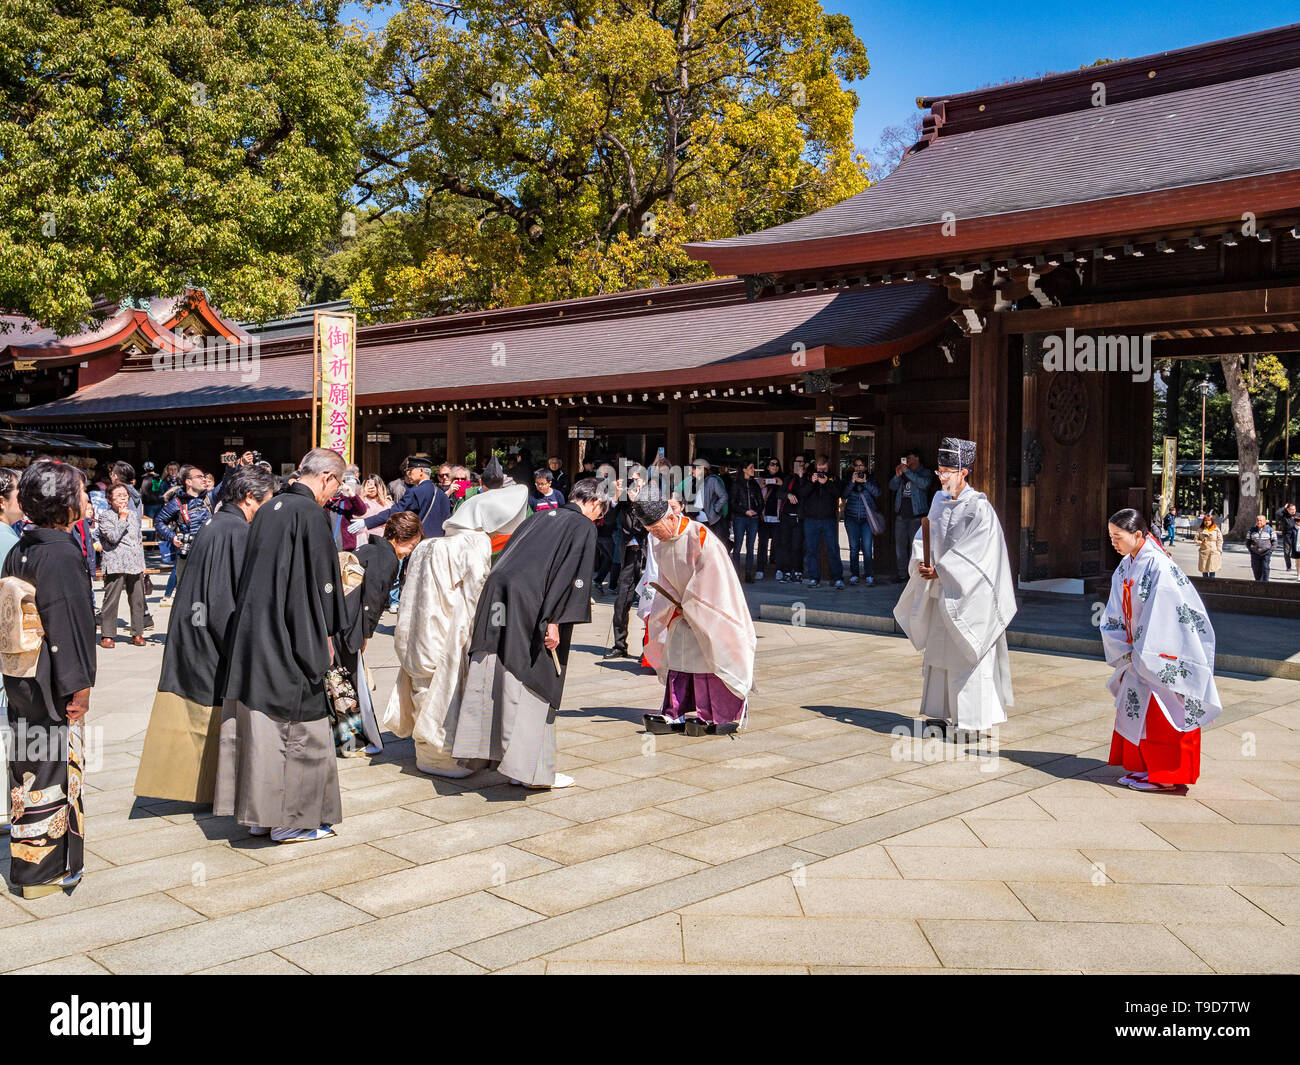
497	510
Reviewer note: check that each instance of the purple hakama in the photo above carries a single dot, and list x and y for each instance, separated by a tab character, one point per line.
703	694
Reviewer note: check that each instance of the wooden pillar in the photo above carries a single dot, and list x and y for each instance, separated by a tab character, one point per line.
675	442
366	454
1031	457
299	439
988	414
455	438
554	441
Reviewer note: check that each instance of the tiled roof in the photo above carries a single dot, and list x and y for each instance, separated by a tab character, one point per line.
1212	133
710	341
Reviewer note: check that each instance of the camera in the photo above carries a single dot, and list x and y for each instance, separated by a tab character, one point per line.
184	541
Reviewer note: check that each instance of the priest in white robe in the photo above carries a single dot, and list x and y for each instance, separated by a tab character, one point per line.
444	579
1157	635
956	609
700	637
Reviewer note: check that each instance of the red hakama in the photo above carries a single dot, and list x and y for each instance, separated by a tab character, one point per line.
1165	754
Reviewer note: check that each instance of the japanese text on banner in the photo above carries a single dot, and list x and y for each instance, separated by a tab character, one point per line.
337	394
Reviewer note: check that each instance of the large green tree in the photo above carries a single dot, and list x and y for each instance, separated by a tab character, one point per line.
149	144
540	149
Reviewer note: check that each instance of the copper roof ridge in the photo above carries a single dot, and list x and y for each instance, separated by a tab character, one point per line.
1143	77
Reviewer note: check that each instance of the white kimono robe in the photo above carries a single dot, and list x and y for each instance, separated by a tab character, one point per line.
958	621
712	631
444	579
1157	635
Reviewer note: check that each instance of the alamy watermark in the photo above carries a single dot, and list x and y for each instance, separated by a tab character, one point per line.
219	353
1105	354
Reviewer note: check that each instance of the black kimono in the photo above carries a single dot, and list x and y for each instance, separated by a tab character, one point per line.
276	766
179	760
512	688
203	611
541	578
380	561
47	834
289	604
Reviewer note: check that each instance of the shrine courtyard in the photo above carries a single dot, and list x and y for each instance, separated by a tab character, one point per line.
820	840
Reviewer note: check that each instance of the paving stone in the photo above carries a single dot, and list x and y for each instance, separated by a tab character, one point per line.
223	939
744	835
911	899
267	963
1190	867
471	834
570	887
1236	838
774	897
444	964
76	965
733	771
1250	812
1093	946
582	842
862	800
619	799
727	804
656	940
1281	903
407	937
991	863
1249	948
865	863
1059	834
797	940
368	828
950	833
399	792
264	884
143	878
1138	903
844	772
81	931
423	885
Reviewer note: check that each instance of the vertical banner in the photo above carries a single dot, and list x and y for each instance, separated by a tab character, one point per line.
333	406
1168	474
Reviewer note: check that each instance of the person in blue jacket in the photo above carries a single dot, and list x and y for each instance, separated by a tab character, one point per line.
911	485
423	498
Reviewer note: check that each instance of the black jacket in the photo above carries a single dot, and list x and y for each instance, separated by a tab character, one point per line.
746	494
818	501
629	525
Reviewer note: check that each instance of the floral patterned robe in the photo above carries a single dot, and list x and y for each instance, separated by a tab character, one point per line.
1157	634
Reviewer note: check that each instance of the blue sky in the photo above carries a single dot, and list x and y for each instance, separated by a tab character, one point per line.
946	46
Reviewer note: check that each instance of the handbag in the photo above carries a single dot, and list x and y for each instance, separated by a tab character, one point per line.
349	737
875	520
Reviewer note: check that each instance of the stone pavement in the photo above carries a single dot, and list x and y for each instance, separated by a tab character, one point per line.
817	841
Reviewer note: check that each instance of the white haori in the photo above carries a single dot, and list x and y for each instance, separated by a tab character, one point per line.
444	580
1162	645
712	631
958	621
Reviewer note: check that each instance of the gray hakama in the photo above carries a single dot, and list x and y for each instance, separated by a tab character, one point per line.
503	725
276	774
